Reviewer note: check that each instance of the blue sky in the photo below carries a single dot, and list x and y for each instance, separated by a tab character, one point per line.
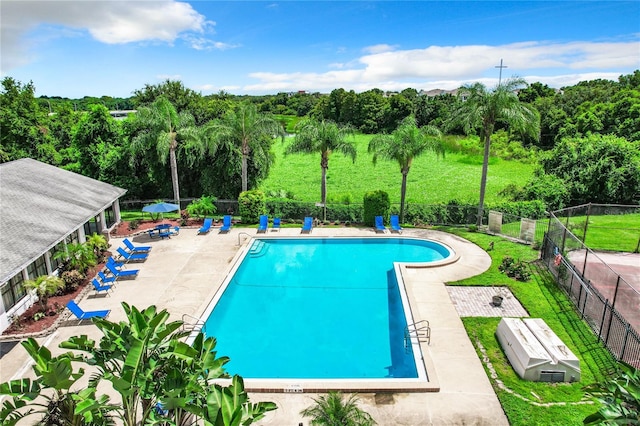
95	48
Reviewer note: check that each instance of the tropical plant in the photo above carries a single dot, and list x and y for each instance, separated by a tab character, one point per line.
149	366
49	393
166	130
204	206
77	256
324	137
403	145
483	109
98	243
619	398
247	130
333	410
45	286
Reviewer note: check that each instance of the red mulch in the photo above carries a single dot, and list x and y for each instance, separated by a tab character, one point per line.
56	305
122	230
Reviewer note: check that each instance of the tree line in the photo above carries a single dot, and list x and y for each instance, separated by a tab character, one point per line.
209	145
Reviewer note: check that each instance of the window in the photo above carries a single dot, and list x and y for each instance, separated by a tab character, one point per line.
56	262
12	291
109	217
37	268
91	227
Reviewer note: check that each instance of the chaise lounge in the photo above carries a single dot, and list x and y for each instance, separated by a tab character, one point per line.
380	225
101	287
206	226
395	224
132	257
226	223
307	225
83	315
264	223
119	273
135	249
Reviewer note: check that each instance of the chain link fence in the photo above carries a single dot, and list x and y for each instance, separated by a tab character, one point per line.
605	299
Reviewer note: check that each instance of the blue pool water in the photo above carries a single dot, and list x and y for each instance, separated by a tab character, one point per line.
318	308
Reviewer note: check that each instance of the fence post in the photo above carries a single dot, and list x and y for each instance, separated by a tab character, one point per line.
584	265
624	343
604	314
586	224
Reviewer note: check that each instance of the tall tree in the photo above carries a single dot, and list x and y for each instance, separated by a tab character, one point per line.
484	108
246	129
324	137
166	130
403	145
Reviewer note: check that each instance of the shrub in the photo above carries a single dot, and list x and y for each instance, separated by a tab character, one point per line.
252	204
515	269
202	207
72	279
375	203
134	224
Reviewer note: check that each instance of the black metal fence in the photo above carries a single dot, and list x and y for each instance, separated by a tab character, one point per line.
608	303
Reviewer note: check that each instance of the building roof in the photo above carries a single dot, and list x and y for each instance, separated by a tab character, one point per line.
40	205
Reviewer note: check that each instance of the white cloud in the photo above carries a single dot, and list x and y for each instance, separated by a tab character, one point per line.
110	22
379	48
448	67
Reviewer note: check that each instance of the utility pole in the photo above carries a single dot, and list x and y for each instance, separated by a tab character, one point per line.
500	66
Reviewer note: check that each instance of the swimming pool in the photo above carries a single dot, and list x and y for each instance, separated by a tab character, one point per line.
319	309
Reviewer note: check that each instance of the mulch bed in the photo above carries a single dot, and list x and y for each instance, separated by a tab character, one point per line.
27	325
56	304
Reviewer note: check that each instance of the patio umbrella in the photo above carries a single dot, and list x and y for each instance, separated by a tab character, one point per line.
161	208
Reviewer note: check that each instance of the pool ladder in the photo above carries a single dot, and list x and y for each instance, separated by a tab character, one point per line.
419	330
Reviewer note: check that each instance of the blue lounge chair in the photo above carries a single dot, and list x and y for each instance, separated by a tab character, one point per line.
101	287
276	224
132	257
117	265
395	224
83	315
226	223
119	273
206	226
105	279
380	224
135	249
264	223
307	226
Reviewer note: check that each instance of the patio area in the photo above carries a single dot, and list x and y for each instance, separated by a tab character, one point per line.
183	273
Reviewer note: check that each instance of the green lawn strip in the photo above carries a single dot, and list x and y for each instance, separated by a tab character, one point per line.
129	215
431	179
542	299
611	232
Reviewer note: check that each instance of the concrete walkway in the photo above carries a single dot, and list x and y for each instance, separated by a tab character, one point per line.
183	273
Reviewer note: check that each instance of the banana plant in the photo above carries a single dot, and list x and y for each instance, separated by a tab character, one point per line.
230	405
128	356
619	397
30	397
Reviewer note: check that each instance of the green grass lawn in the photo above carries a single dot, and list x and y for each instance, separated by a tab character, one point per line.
612	232
535	403
431	179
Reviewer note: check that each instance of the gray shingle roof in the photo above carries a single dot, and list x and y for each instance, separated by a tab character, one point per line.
40	205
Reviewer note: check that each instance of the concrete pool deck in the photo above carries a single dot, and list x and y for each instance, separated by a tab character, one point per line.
182	274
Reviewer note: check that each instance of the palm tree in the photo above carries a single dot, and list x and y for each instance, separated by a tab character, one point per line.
246	129
324	137
332	410
45	286
484	108
163	128
403	145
